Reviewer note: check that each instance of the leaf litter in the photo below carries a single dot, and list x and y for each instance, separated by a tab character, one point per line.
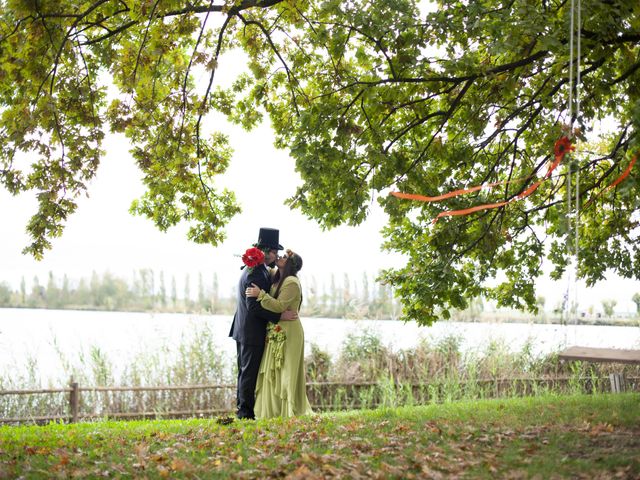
416	442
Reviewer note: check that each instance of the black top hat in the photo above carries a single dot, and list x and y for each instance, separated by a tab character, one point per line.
269	237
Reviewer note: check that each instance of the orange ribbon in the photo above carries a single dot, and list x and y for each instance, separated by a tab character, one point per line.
455	193
561	148
622	176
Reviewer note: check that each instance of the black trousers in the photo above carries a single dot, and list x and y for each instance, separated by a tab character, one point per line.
249	357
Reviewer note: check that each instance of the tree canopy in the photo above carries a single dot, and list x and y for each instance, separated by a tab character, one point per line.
368	97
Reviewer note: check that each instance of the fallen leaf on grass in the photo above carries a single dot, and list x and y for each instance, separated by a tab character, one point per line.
80	473
30	450
435	429
159	458
391	469
141	450
431	473
330	469
601	428
160	435
303	473
351	426
400	428
491	466
308	457
516	475
623	472
356	473
179	465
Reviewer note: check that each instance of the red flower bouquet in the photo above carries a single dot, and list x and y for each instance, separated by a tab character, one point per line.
253	257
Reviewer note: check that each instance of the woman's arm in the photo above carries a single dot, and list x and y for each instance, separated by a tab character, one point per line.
290	291
259	280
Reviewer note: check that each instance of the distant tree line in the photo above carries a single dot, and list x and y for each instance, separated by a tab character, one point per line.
151	291
349	299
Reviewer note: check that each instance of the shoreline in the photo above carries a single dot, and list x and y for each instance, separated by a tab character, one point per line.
497	317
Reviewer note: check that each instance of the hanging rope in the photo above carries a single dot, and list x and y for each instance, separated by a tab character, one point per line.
577	187
578	86
574	116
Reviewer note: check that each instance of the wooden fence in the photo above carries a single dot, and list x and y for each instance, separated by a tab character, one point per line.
76	403
76	393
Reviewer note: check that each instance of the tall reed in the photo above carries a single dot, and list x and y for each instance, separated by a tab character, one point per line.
440	371
193	360
365	373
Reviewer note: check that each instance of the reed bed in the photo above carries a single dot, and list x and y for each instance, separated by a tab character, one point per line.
367	374
193	379
107	392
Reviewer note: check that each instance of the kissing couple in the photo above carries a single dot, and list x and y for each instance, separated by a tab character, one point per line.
268	332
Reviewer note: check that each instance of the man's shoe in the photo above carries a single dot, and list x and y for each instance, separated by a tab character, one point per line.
244	416
226	420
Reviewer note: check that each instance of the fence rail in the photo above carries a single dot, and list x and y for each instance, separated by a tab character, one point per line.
149	402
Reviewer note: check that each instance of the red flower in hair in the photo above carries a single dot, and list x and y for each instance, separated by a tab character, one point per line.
253	257
563	146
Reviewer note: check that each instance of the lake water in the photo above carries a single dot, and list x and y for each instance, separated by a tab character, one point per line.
38	336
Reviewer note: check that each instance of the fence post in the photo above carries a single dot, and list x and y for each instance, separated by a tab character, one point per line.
74	400
617	382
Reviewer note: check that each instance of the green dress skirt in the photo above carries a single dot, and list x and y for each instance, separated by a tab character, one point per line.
281	389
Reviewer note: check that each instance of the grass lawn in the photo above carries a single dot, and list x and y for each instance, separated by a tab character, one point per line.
544	437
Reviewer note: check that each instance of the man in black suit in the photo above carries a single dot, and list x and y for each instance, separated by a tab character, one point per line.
249	327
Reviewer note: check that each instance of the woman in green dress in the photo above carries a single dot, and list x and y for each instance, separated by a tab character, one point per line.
281	388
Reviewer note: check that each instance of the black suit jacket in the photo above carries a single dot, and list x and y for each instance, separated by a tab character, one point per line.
250	320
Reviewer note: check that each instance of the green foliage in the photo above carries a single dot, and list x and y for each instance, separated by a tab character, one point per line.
317	364
383	96
5	294
367	97
362	346
57	60
636	300
608	306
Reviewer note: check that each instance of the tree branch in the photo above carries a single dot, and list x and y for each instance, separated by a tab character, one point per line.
290	76
624	37
186	77
450	111
144	40
211	77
